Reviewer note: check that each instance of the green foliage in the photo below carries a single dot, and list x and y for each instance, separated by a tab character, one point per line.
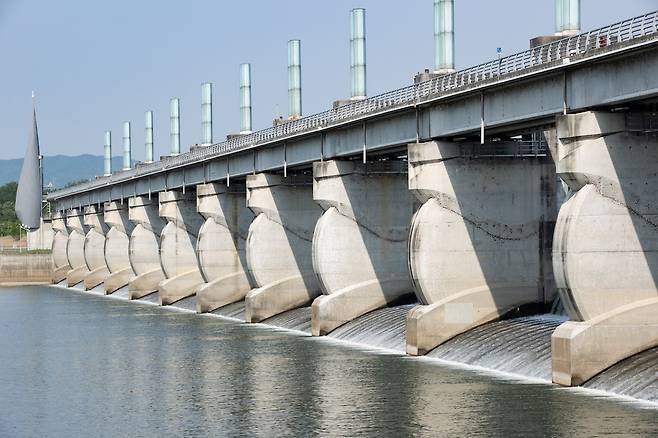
9	225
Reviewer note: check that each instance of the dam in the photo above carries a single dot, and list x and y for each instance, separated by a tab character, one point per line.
499	220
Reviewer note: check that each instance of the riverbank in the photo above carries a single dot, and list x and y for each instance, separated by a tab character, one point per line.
28	268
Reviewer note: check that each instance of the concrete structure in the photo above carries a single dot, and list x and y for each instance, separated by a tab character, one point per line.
360	242
221	246
279	244
606	242
117	246
178	246
60	263
94	247
42	237
479	245
145	246
25	269
75	247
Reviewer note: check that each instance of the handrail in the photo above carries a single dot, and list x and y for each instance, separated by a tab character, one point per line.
626	30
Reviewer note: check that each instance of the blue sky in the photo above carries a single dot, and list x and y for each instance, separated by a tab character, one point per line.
96	63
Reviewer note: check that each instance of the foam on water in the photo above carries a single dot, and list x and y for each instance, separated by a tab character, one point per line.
296	319
382	328
519	346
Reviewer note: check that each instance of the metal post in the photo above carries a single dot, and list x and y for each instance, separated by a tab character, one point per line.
127	147
148	137
567	17
358	53
245	98
107	154
174	117
444	36
294	79
206	114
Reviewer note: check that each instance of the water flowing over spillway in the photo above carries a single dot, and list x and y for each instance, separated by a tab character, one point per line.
188	303
383	328
233	311
635	377
296	319
520	346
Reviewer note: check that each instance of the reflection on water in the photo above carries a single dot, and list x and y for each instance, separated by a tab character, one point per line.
79	365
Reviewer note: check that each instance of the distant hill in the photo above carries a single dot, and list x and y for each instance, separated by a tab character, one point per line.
59	169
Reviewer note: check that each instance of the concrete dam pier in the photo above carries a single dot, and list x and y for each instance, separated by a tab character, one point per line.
458	212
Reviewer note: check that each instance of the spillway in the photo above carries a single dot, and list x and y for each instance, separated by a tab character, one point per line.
635	377
233	311
518	346
296	319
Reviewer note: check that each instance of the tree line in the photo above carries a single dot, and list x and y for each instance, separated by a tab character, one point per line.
9	224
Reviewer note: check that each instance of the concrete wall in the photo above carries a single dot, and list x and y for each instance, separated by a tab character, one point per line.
25	268
178	246
144	249
94	247
60	261
606	244
279	244
117	246
75	247
221	247
479	245
41	238
360	242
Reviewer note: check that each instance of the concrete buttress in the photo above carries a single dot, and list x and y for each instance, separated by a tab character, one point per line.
279	244
61	265
221	246
605	251
479	245
95	247
360	242
117	246
75	247
144	248
178	246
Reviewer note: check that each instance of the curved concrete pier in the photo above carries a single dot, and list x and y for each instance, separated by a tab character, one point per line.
221	246
478	244
95	247
117	246
360	242
178	247
605	254
279	244
61	265
75	247
144	248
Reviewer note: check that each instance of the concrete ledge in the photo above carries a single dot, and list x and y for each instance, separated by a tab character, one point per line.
329	312
581	350
76	276
117	280
145	284
278	297
59	274
222	292
431	325
181	286
96	278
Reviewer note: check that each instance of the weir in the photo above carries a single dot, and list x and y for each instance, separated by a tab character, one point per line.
75	247
279	244
61	265
144	248
606	242
221	246
117	246
360	241
178	246
94	247
479	244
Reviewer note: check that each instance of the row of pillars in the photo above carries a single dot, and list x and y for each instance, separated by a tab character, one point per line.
475	242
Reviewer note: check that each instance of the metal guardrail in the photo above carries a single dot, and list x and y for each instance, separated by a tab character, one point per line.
546	55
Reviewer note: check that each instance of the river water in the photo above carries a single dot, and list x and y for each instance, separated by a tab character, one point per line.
79	365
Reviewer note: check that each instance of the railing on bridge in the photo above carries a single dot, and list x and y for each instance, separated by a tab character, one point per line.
546	55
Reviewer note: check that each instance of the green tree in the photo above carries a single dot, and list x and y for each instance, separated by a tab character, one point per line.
9	224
